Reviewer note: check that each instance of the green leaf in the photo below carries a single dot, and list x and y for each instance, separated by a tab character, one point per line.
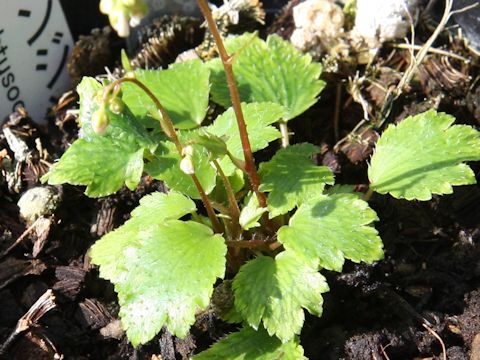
248	344
258	118
158	207
154	209
271	71
292	178
332	228
87	90
157	265
122	127
251	212
166	166
183	89
424	155
275	291
102	165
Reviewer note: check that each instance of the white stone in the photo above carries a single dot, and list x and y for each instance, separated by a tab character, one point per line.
384	20
316	21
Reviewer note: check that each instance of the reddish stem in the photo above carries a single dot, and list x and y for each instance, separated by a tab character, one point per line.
236	103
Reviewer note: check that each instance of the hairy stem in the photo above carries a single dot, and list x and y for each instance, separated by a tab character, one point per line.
285	134
236	103
167	126
234	210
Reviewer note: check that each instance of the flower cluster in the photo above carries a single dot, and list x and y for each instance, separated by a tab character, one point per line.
124	13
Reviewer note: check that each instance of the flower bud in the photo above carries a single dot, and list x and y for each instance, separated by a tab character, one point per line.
186	165
116	106
100	121
187	150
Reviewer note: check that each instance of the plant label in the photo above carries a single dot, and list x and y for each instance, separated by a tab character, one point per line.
35	42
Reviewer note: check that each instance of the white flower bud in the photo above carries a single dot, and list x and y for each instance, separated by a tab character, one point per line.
186	165
187	150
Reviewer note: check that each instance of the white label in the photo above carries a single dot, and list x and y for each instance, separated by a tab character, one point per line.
35	43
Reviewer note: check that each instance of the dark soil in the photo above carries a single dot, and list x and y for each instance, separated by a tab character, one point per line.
421	302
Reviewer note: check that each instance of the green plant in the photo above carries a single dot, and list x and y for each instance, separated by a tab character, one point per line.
270	230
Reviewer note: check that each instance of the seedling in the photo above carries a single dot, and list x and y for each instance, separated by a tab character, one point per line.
268	231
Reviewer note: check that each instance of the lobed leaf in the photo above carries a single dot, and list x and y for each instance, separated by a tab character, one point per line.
275	291
424	155
101	164
292	178
332	228
248	344
183	89
271	71
157	265
258	118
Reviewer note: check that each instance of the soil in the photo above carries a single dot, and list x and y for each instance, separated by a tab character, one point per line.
421	302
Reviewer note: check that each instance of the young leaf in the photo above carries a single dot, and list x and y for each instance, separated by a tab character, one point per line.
258	118
332	228
424	155
248	344
251	213
101	164
166	166
271	71
183	89
292	178
275	291
88	89
158	267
